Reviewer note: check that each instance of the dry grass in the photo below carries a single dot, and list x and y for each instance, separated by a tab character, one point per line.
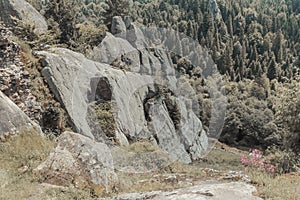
24	152
223	158
279	187
178	175
141	147
18	157
174	176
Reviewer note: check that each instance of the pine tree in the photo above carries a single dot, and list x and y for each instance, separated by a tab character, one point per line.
273	71
64	13
278	46
116	8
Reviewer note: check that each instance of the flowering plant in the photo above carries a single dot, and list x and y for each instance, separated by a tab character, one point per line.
256	160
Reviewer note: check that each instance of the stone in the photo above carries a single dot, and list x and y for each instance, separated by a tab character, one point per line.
118	26
162	126
207	190
136	104
135	36
76	157
13	119
118	52
23	11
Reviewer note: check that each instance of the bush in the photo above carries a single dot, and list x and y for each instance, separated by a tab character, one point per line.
256	161
288	118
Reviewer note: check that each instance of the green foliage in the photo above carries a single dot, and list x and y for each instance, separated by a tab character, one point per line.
256	45
64	13
285	160
103	112
267	31
249	120
288	115
116	8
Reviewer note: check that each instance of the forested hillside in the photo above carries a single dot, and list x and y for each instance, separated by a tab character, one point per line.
246	38
255	44
115	99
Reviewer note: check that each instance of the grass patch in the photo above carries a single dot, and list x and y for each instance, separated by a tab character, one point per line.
278	187
18	157
223	158
28	148
65	193
105	117
178	175
141	147
21	154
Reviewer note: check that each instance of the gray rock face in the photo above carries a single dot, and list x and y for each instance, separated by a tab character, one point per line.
201	191
164	129
24	11
135	36
77	158
145	100
12	118
139	110
118	52
132	54
118	26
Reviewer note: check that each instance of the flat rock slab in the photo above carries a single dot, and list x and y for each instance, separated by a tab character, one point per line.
207	190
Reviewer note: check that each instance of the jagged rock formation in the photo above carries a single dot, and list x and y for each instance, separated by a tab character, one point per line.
118	52
143	106
79	160
13	120
118	26
24	11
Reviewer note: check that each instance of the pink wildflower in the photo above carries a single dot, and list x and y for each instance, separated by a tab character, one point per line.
271	169
261	164
256	154
244	159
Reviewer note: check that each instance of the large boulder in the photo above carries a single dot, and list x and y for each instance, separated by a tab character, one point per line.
23	11
13	119
79	160
117	107
118	52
